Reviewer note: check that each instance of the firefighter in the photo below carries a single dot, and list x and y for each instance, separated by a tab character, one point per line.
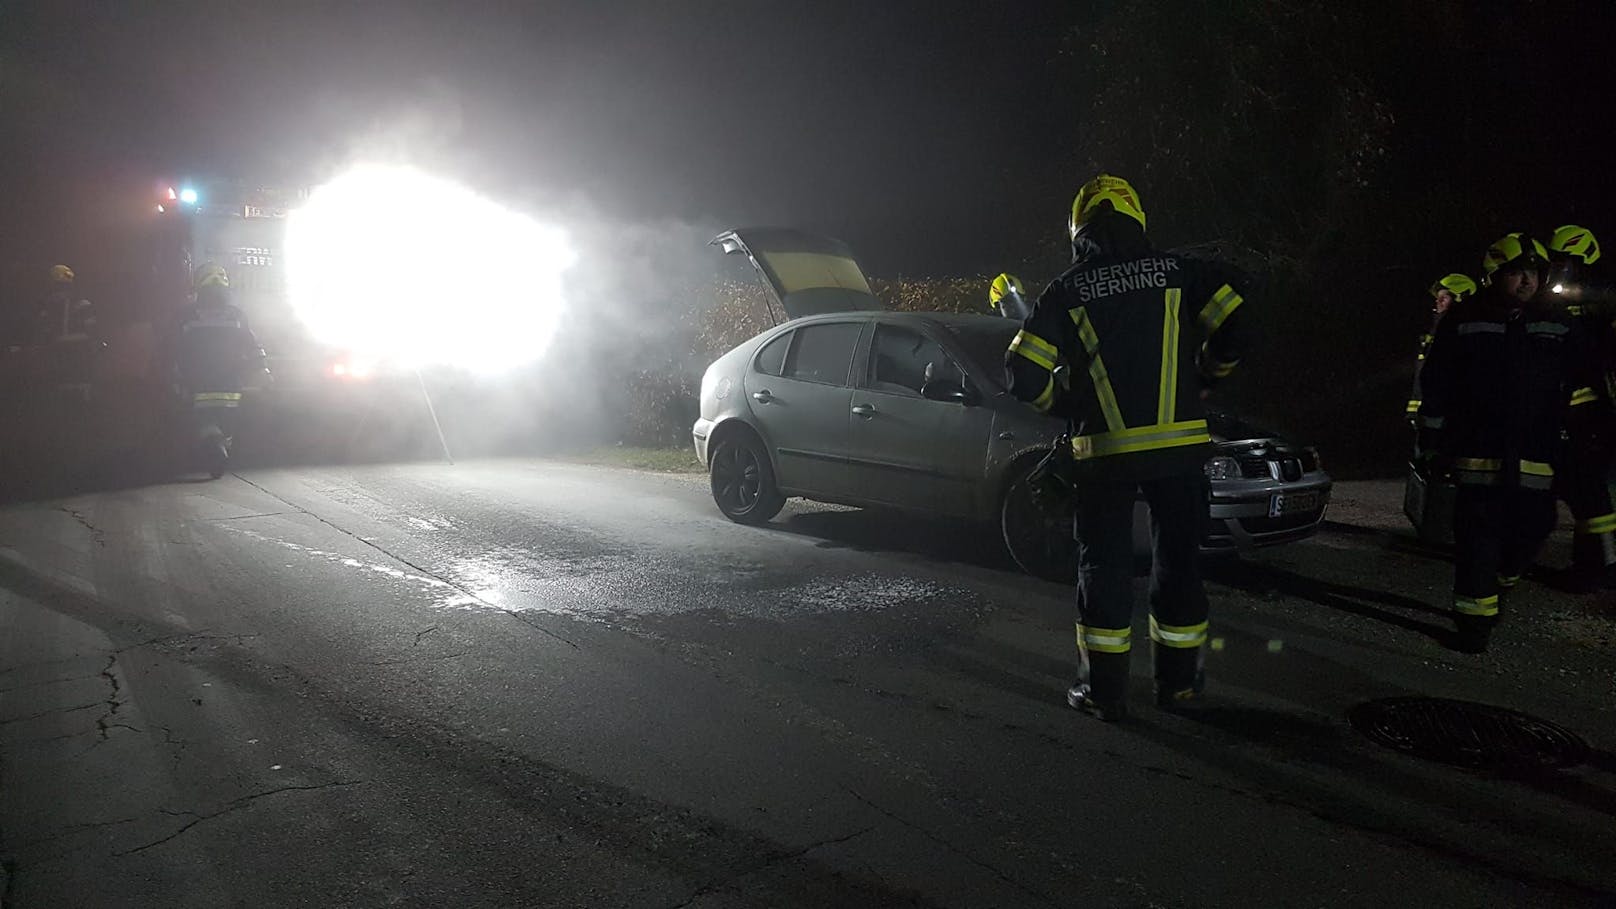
1009	298
1138	336
1584	482
215	355
1504	377
1444	294
65	324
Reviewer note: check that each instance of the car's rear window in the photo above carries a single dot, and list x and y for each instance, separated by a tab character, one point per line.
823	352
985	343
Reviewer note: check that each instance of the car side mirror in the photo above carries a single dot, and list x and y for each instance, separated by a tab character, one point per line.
944	390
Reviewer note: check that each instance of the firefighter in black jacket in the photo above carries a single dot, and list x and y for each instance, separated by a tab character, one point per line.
1142	334
1445	293
1584	480
1505	376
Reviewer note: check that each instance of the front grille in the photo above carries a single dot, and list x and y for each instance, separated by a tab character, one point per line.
1256	469
1278	465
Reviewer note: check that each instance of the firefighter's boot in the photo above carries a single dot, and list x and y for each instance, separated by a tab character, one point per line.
1473	632
1593	563
1101	688
1180	675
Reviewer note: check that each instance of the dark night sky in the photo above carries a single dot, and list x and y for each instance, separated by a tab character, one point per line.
899	128
934	137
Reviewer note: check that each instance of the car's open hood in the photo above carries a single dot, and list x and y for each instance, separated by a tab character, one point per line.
807	274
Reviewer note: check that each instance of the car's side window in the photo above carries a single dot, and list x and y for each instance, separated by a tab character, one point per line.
771	360
900	358
823	352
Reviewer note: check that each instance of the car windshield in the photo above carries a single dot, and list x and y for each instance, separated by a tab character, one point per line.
985	343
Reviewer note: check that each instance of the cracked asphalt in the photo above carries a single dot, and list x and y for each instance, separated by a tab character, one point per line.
530	683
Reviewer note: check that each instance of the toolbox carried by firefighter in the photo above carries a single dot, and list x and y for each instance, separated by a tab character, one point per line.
1428	503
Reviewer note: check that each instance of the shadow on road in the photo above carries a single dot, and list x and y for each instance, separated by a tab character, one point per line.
1258	578
874	530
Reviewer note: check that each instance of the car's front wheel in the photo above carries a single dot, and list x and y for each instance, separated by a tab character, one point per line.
1038	532
743	480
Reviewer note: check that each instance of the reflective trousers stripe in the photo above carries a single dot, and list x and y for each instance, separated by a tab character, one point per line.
1583	396
1143	438
1480	606
1103	640
1184	636
1414	406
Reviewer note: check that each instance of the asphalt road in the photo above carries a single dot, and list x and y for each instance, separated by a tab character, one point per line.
526	683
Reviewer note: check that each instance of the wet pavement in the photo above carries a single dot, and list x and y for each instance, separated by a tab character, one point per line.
532	683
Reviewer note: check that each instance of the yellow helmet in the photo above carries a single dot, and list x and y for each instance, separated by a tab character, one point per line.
1005	284
212	274
61	274
1104	188
1459	285
1577	242
1513	249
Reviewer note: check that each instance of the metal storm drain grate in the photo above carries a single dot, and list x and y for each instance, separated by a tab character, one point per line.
1466	734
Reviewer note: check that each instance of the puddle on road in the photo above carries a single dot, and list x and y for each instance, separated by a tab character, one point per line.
615	590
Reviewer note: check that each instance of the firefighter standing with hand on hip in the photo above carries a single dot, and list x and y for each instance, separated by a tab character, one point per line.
1142	334
1584	478
1505	376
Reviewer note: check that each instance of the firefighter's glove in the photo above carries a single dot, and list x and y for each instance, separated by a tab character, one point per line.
1052	480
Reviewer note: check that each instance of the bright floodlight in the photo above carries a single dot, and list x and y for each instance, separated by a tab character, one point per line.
188	196
395	265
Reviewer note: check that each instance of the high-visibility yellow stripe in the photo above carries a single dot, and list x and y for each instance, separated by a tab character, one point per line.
1104	640
1183	636
1217	310
1605	523
1414	406
1035	349
1509	582
1583	396
1167	395
1488	465
1046	398
1536	469
1480	606
1143	438
1223	370
1102	380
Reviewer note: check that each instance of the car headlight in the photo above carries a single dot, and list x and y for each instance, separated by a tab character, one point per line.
1222	468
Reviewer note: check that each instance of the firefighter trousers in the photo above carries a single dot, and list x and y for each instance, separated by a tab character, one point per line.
1585	486
1178	607
1497	532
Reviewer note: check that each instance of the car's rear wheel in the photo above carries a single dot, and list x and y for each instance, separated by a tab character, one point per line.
1038	533
743	480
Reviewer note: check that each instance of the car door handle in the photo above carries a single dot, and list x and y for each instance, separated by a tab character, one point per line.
864	410
762	397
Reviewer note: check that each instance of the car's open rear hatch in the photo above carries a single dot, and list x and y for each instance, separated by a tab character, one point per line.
807	274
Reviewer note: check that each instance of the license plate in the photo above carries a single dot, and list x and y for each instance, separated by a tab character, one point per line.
1287	503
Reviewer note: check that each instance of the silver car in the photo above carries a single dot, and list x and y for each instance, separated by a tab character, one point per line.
851	404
